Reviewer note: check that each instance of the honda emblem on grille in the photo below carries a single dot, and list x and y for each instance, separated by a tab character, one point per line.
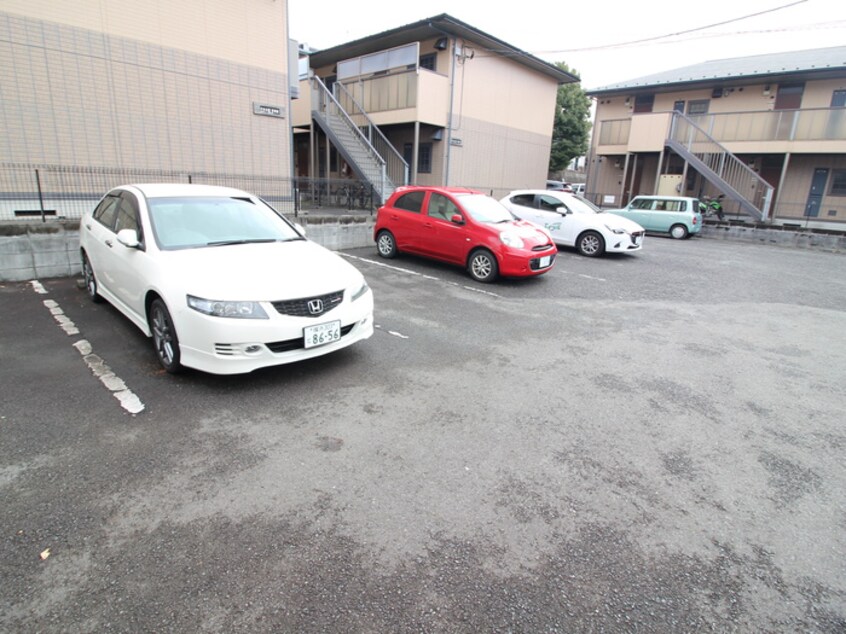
315	306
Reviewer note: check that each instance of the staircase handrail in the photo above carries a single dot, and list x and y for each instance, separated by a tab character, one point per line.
736	165
396	159
346	119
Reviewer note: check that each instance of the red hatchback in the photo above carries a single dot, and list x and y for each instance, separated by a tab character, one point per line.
464	227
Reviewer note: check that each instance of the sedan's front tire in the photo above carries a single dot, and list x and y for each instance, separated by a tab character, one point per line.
482	266
165	340
90	280
591	244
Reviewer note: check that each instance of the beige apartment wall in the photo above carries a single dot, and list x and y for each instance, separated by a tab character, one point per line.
78	94
496	158
497	90
251	32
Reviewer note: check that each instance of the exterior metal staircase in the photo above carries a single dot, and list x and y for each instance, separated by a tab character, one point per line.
720	167
362	145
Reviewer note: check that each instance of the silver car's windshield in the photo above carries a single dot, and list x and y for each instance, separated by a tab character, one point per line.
483	208
198	221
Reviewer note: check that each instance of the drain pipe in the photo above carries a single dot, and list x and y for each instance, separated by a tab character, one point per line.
451	106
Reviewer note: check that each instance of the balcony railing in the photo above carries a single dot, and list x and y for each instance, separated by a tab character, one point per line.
388	92
813	124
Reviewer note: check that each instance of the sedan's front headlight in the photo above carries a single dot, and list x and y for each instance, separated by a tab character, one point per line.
511	239
360	292
616	230
220	308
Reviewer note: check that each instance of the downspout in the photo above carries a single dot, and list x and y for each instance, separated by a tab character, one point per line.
449	121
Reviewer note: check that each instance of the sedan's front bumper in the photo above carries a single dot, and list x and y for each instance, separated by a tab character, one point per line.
235	346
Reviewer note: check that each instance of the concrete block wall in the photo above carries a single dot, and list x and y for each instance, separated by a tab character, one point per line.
33	251
817	239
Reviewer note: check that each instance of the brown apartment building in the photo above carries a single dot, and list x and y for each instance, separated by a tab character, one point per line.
768	132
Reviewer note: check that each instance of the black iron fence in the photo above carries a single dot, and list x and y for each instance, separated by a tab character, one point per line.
40	192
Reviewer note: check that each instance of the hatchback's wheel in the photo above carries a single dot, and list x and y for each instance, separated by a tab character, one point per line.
679	232
591	244
386	245
165	340
482	266
90	280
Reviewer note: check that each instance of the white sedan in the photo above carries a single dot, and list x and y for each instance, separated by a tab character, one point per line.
219	279
574	221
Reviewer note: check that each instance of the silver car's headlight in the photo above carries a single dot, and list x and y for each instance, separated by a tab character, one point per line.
220	308
360	292
616	230
511	239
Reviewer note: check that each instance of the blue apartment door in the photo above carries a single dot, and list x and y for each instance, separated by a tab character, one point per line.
812	208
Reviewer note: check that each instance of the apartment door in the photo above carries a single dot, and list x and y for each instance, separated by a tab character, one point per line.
818	183
788	97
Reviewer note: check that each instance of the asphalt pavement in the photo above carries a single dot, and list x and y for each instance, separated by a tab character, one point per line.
639	443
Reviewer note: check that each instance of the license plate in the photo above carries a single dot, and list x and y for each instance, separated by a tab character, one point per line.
321	334
544	261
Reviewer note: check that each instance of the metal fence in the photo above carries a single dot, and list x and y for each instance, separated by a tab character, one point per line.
39	192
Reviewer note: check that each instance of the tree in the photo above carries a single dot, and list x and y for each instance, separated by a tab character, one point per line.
572	123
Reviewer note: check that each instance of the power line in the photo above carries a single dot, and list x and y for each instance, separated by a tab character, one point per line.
668	35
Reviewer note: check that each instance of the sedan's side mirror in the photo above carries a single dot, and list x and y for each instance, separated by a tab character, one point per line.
457	219
563	210
128	238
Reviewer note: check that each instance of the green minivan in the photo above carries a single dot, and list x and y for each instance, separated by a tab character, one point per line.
679	216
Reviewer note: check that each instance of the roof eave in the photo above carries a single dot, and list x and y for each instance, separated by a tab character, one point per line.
442	24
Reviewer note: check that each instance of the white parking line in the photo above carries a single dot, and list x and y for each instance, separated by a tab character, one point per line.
425	277
128	400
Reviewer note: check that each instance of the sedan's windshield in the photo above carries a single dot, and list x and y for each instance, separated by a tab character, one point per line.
181	222
483	208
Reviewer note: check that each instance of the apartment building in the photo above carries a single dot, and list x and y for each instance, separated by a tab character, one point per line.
153	89
436	102
768	132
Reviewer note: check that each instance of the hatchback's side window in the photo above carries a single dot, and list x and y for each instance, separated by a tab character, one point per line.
412	201
442	207
641	203
106	211
676	205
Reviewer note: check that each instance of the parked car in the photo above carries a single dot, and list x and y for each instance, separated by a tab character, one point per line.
559	186
464	227
677	215
578	188
219	279
575	222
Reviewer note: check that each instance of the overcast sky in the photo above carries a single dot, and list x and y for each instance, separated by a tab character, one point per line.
595	36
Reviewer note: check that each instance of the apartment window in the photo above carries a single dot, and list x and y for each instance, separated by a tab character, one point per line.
428	61
698	106
838	99
838	183
644	103
679	106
